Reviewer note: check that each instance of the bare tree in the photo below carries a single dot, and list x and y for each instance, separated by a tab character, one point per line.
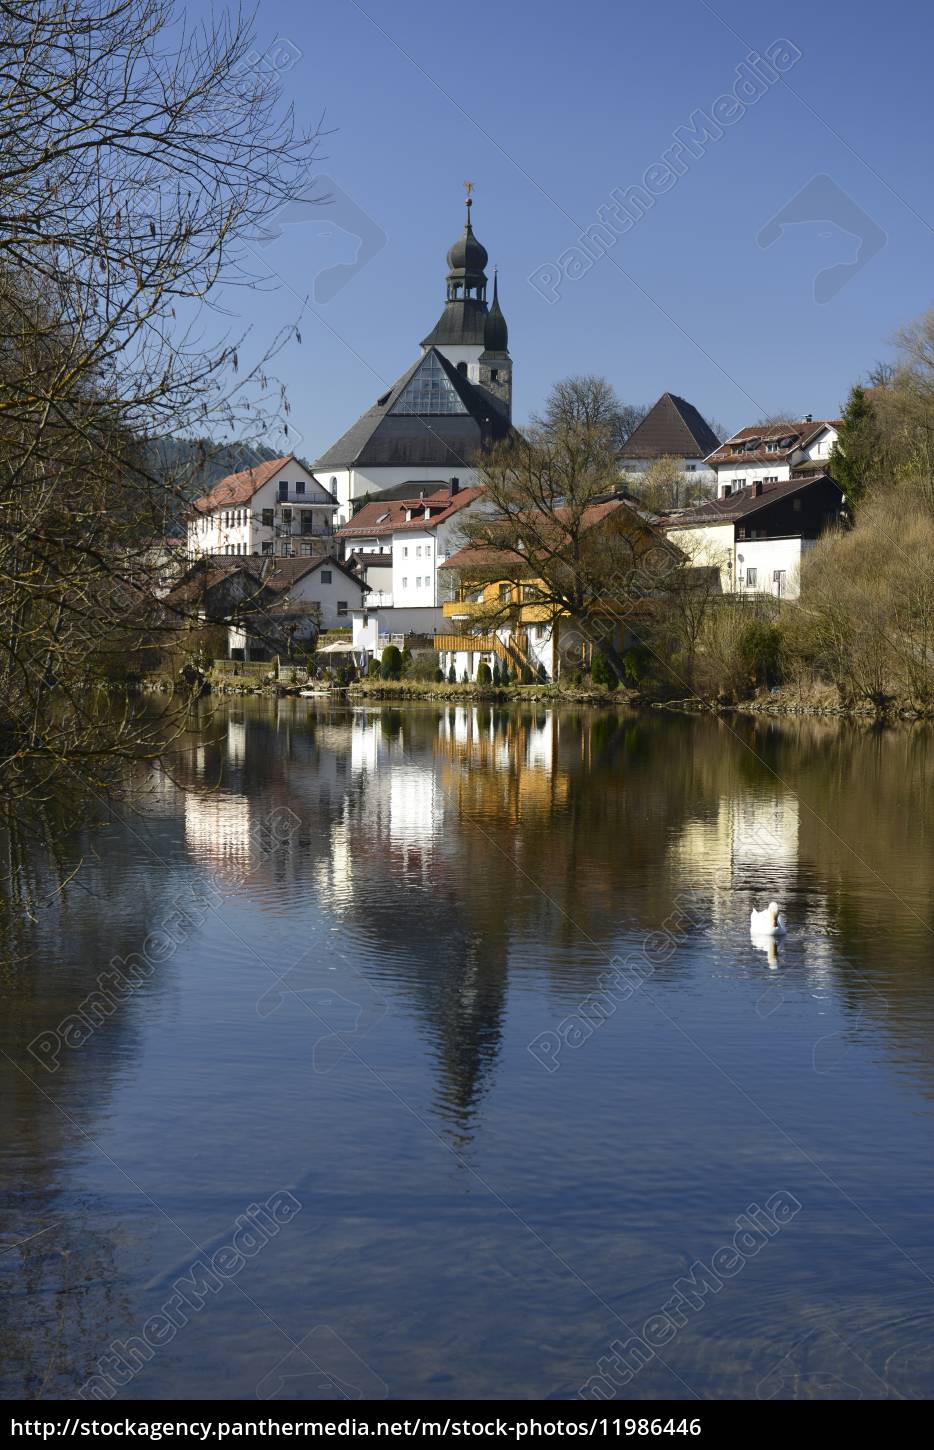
552	534
137	154
590	402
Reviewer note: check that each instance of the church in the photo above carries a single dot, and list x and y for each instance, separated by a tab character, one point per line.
425	431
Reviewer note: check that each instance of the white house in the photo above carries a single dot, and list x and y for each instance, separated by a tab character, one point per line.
755	537
672	428
277	508
454	400
771	454
421	533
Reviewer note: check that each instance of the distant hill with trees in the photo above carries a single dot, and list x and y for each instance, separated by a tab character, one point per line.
190	467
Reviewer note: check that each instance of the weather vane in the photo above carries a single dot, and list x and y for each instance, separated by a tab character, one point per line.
468	187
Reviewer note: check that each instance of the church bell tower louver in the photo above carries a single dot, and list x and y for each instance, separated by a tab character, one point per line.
472	335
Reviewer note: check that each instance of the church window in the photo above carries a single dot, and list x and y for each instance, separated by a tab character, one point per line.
429	391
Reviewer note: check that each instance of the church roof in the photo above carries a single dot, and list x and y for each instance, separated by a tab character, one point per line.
496	333
431	417
673	428
463	322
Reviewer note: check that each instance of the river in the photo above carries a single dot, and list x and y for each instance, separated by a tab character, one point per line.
426	1052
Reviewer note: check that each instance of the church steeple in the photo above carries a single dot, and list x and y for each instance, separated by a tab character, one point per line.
461	324
496	333
470	335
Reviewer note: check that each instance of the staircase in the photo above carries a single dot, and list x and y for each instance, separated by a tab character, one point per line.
514	653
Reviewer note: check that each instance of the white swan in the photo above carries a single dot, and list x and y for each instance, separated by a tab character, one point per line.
767	922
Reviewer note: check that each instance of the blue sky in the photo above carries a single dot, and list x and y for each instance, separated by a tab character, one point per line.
548	108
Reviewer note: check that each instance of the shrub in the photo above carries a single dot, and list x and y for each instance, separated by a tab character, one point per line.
542	674
439	677
424	666
452	676
759	651
601	673
496	674
372	669
406	660
465	678
637	662
484	677
391	663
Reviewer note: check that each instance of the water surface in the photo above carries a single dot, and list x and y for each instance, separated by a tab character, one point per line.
466	999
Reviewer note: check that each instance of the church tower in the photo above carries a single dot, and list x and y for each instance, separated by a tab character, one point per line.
470	334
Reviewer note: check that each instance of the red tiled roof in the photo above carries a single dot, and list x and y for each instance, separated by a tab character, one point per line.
239	488
474	556
389	515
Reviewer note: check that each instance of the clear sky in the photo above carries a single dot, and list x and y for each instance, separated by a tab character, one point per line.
551	108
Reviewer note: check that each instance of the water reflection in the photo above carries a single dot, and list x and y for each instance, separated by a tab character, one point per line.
392	904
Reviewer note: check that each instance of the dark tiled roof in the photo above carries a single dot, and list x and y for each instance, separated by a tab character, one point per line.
672	428
401	440
276	575
742	503
462	322
801	434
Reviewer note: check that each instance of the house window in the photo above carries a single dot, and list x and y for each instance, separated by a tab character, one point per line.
751	576
770	478
427	551
325	576
305	551
504	591
739	483
285	551
418	551
405	582
300	486
287	516
267	517
779	578
283	489
405	552
690	468
342	606
266	547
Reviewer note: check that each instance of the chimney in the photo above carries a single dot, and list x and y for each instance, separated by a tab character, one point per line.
757	488
808	418
454	486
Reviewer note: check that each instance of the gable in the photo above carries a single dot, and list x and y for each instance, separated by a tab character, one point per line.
429	391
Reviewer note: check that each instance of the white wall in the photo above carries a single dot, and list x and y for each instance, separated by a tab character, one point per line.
765	556
369	632
414	568
695	470
708	547
328	594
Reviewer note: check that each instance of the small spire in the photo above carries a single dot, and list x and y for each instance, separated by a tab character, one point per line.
468	187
